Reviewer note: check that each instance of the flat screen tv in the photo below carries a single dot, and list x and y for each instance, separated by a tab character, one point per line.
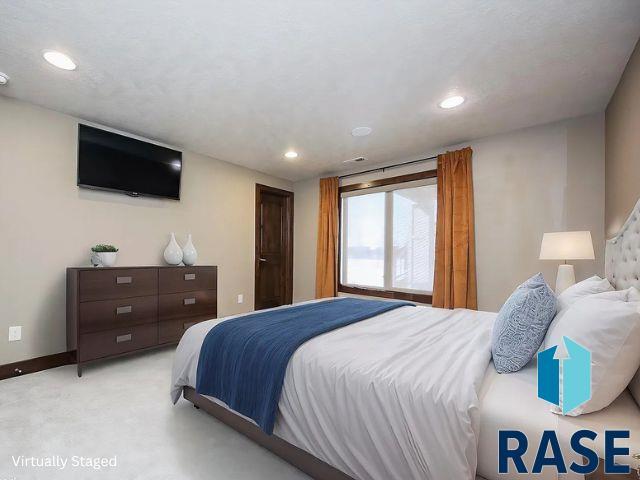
108	161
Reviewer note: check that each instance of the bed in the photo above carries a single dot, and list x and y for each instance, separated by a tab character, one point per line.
412	394
367	383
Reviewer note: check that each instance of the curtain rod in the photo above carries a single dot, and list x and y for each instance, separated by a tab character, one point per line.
382	169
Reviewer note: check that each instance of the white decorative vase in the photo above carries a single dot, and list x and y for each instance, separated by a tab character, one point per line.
189	252
103	259
173	252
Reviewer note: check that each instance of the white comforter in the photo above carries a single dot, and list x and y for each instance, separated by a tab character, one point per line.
391	397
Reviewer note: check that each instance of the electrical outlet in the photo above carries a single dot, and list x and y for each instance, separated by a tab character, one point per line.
15	333
240	298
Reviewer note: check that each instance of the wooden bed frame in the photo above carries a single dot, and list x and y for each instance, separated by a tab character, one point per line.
304	461
309	464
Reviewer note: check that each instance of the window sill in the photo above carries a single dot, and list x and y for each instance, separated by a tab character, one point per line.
411	297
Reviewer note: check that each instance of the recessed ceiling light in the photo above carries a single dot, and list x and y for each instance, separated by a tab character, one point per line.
452	102
4	78
291	154
59	59
361	131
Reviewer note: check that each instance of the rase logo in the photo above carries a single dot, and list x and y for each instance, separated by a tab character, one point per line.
566	383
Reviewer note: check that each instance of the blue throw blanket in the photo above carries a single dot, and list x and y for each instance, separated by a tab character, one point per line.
243	360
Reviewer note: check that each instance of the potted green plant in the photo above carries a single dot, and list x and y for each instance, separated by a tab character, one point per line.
103	255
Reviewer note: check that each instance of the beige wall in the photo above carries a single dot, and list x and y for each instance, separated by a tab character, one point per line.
623	147
527	182
48	224
305	233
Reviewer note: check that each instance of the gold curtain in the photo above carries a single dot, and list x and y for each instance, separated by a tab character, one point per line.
454	284
327	249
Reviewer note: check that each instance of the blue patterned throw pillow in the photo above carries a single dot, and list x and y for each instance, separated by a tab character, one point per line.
521	324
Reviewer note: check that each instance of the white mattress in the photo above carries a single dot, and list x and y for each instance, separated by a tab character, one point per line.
391	397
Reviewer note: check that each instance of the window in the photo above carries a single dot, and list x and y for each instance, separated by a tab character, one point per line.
388	237
363	239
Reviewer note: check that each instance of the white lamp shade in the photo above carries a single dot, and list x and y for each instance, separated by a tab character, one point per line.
567	246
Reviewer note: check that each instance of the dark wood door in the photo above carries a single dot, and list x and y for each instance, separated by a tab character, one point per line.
274	247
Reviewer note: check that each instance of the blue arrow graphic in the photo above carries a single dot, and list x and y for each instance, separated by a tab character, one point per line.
576	376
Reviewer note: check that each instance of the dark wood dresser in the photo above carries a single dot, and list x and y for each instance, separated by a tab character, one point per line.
114	311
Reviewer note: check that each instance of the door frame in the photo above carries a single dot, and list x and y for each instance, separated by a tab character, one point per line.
288	241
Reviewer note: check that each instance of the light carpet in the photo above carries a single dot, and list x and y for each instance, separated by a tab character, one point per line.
121	408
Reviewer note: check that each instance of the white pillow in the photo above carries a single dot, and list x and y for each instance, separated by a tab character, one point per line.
581	289
621	295
615	295
634	294
610	329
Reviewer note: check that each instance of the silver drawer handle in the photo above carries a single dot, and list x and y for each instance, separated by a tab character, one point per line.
123	310
123	338
189	276
188	324
189	301
120	280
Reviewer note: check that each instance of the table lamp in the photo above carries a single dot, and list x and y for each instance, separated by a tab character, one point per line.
566	246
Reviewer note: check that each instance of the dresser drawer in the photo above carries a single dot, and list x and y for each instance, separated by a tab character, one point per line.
170	331
117	341
187	304
107	284
109	314
186	279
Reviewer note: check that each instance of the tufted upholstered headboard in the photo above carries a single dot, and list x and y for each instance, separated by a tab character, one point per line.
622	267
622	254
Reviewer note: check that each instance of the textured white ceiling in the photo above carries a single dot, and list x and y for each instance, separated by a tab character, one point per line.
244	81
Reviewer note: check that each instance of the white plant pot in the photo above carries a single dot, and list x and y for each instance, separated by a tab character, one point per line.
189	252
104	259
173	252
